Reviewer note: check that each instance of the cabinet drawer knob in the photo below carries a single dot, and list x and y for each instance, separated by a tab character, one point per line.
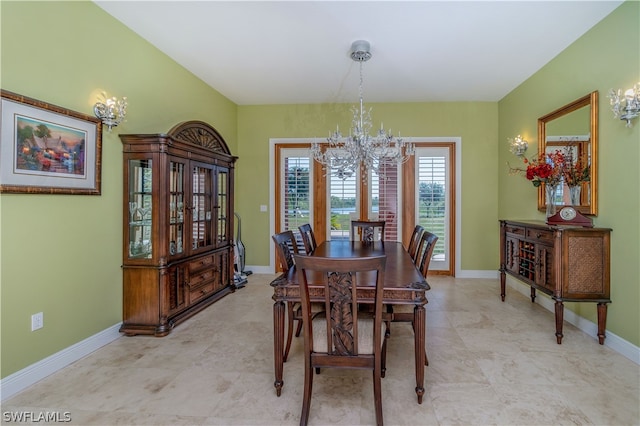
538	235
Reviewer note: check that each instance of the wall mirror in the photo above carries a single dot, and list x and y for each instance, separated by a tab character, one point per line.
573	129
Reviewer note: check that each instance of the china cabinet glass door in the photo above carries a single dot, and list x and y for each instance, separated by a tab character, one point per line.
222	207
201	206
176	207
140	209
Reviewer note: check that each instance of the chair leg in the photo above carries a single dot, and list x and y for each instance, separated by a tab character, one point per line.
299	329
387	331
377	394
289	331
383	359
308	387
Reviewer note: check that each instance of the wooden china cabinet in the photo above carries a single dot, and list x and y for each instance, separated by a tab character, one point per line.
569	263
178	224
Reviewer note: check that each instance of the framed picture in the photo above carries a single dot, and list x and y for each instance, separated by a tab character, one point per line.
47	149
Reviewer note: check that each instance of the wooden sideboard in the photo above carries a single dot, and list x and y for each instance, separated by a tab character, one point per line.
568	263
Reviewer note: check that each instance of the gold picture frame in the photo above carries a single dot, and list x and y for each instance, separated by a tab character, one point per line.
48	149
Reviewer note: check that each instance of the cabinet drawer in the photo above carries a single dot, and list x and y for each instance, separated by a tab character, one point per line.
197	279
515	230
199	292
201	263
540	234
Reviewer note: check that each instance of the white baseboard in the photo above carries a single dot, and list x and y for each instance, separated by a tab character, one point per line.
617	343
468	273
259	269
20	380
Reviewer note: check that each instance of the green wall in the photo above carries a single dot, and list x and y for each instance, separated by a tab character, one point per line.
61	254
474	122
607	56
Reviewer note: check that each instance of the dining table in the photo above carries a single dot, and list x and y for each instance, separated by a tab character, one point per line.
403	285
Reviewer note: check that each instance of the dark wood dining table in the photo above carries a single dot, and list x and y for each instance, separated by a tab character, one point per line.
403	285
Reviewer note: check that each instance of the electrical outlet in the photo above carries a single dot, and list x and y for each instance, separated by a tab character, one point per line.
37	321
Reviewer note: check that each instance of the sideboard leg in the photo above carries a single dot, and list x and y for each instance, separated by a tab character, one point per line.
533	294
559	320
502	283
602	321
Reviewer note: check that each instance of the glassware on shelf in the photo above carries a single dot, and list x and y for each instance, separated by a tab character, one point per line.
133	209
145	213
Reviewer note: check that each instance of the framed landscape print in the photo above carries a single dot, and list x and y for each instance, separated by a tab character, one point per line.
47	149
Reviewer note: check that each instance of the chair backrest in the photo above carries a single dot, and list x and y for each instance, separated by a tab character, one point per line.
368	230
286	247
413	243
425	251
340	278
308	239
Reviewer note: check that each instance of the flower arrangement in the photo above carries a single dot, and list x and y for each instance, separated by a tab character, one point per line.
554	168
545	168
575	174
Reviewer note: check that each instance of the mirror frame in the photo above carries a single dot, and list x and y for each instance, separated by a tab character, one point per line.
590	100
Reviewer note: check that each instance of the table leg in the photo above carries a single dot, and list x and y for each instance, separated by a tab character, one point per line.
278	344
419	333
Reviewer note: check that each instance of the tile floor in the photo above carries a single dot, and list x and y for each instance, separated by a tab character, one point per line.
490	363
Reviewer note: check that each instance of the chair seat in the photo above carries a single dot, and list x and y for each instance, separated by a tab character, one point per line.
365	334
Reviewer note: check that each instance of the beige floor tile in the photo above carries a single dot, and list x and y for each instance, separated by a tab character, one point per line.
490	362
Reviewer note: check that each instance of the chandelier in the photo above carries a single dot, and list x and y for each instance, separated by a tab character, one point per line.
345	155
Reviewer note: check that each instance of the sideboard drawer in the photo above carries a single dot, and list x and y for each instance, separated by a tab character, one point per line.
515	230
542	235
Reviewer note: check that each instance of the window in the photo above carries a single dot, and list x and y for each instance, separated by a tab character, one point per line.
343	206
295	192
384	199
433	192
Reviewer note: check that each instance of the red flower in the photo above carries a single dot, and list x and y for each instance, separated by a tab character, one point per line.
546	168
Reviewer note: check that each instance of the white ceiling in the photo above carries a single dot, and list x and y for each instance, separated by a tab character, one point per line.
284	52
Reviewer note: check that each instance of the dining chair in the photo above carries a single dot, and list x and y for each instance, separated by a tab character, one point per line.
286	248
308	238
346	337
368	229
424	252
413	243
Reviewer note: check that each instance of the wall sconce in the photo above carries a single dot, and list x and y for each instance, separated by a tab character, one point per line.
110	111
627	107
518	146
